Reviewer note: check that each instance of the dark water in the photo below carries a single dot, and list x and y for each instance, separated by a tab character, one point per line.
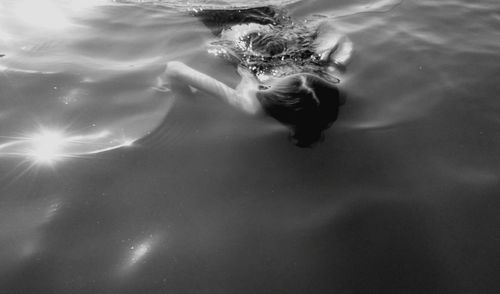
402	197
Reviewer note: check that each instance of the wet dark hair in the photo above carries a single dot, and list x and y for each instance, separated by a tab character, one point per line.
306	103
266	44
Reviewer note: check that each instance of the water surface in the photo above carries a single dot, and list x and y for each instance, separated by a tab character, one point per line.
108	185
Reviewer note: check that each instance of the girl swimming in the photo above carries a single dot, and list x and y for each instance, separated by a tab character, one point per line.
286	68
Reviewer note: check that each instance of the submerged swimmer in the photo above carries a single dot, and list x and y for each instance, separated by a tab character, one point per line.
286	68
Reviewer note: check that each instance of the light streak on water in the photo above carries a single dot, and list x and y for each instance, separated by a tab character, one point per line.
24	222
48	146
140	252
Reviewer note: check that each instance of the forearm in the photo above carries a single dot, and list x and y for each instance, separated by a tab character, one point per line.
178	72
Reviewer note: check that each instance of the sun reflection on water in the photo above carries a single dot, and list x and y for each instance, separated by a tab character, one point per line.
48	146
41	13
137	253
49	14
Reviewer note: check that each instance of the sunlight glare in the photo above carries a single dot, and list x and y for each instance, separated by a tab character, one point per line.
41	13
47	146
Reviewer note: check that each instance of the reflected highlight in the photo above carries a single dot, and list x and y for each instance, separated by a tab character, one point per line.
138	253
22	226
41	13
55	15
48	146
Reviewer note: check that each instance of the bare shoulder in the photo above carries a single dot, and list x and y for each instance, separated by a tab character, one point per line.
247	92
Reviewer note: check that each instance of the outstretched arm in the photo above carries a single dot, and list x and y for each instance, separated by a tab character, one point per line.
332	46
242	98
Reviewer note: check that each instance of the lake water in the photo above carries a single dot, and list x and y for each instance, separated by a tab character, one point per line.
109	185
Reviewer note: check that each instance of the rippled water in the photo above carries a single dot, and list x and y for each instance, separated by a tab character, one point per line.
108	185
